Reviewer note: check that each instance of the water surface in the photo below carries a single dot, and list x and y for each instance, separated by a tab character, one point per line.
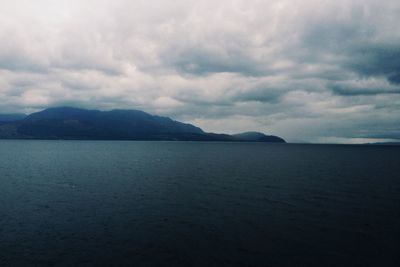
101	203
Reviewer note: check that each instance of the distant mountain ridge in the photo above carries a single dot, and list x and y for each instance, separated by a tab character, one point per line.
76	123
11	117
255	137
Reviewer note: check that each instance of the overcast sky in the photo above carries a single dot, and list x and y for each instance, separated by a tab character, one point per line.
309	71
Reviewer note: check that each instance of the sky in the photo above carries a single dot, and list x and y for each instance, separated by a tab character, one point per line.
308	71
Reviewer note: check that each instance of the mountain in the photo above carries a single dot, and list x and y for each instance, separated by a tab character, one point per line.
75	123
11	117
257	137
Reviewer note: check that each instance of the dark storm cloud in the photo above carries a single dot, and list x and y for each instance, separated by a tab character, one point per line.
378	60
357	91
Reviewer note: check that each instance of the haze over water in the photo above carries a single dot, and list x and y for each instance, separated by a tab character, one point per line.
70	203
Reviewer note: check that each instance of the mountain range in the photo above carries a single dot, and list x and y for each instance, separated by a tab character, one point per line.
82	124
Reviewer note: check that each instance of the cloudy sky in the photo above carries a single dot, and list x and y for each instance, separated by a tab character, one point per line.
309	71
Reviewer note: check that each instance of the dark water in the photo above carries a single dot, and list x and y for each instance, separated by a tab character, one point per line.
79	203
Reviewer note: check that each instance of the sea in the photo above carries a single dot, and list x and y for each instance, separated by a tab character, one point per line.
131	203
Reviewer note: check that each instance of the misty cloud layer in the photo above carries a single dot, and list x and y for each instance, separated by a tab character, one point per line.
317	71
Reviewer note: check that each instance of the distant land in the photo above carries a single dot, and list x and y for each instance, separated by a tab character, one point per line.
385	144
81	124
11	117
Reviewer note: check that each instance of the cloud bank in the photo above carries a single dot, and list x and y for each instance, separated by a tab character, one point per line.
310	71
